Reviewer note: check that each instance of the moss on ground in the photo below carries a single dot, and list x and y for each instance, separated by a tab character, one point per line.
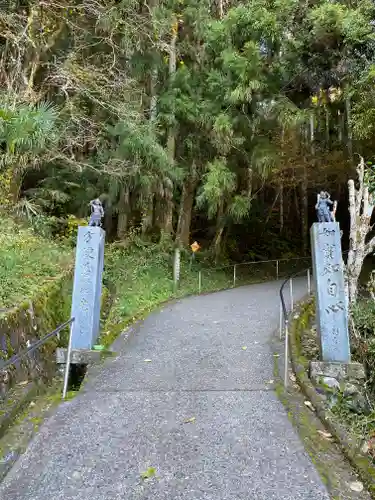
315	444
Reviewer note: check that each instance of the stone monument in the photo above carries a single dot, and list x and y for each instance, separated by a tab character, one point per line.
335	371
331	304
86	300
87	288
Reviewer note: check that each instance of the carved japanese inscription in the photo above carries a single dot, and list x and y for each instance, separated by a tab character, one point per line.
332	321
87	286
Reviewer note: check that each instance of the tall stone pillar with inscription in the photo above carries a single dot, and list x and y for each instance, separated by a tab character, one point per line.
87	289
331	304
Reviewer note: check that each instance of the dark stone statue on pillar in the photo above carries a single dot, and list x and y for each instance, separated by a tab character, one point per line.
97	213
322	207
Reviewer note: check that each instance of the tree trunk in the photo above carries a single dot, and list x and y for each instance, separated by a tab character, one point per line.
123	213
340	125
219	232
281	207
327	126
153	94
348	108
304	212
15	185
217	243
148	215
186	208
167	224
361	205
171	140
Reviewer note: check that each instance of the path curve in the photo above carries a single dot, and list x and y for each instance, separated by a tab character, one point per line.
201	412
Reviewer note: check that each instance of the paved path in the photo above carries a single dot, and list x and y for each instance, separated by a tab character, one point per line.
132	415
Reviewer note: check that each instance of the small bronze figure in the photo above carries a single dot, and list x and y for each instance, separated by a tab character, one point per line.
97	213
322	207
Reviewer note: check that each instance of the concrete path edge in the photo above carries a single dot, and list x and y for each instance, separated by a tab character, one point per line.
350	448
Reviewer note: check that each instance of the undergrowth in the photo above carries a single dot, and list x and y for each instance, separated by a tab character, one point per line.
27	261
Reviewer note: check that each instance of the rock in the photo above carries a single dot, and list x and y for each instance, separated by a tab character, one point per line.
356	486
350	390
340	371
365	448
358	403
325	434
331	383
332	400
309	405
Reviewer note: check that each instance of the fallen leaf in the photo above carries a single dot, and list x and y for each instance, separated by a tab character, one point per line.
356	486
190	420
270	382
147	360
309	405
276	355
244	348
24	382
325	434
150	472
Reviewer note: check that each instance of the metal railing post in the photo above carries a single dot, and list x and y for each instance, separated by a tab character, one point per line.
67	364
176	269
281	321
291	294
234	275
199	281
286	355
277	269
308	282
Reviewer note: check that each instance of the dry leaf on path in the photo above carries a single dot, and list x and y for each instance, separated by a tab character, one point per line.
150	472
325	434
147	360
190	420
309	405
244	348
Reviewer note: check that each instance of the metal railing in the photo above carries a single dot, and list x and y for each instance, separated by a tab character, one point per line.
252	271
284	315
39	343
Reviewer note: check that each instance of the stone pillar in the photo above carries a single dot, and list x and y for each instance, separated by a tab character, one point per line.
87	288
331	304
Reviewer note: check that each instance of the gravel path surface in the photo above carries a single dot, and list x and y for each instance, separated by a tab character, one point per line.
189	395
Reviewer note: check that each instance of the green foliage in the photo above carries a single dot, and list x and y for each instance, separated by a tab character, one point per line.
219	183
27	262
363	342
149	106
363	315
25	128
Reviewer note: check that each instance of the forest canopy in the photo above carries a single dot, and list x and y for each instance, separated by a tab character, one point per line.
190	118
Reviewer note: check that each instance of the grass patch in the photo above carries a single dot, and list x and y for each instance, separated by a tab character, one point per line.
27	261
